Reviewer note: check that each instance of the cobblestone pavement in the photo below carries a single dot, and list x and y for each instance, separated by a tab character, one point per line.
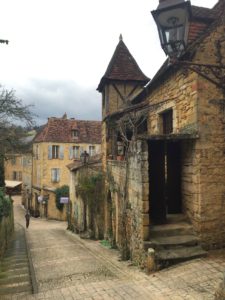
67	267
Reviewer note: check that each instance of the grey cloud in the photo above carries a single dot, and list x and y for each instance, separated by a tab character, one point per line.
54	98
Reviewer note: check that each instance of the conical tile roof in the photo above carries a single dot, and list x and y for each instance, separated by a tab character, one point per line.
122	67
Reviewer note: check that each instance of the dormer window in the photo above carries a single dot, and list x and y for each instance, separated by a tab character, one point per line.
75	133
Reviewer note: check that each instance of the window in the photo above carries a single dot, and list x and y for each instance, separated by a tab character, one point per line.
37	156
91	150
167	122
13	160
14	175
17	175
75	133
55	152
55	175
74	152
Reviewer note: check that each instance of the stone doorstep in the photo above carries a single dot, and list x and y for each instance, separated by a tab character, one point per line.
171	241
165	230
180	254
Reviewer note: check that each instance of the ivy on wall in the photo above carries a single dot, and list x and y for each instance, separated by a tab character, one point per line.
90	188
63	191
5	205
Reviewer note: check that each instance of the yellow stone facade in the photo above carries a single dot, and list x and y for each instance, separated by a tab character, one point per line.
45	182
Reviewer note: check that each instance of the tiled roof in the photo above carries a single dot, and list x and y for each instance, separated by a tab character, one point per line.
77	164
202	12
122	67
60	130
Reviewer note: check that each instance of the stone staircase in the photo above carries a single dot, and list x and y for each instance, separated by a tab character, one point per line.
14	268
174	242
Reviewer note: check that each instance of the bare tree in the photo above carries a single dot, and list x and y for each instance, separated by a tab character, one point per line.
13	114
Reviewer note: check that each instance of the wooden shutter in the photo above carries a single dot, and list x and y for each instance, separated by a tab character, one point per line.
71	152
61	152
57	175
49	152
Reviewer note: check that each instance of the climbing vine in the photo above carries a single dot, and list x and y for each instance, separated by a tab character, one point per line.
63	191
91	189
5	205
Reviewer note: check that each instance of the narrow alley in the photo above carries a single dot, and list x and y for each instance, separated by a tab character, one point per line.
62	266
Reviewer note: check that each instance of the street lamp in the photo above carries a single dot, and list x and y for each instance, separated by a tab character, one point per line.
84	157
172	19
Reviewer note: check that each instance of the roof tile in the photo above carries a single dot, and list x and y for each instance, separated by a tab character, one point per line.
60	130
122	67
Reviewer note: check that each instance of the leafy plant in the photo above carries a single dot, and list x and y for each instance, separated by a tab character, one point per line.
5	205
63	191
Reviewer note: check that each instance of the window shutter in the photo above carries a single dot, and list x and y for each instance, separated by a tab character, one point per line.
70	152
61	152
53	173
49	152
57	175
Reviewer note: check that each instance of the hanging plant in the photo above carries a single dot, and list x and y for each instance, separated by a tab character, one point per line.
63	191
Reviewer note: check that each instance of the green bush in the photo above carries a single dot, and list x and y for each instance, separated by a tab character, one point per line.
90	188
5	205
63	191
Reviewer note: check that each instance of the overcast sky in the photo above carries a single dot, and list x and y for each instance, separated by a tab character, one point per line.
60	49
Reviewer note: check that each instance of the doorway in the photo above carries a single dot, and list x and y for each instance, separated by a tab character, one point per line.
164	180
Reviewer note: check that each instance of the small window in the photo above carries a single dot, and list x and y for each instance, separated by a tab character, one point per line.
76	151
167	122
19	176
75	133
91	150
37	152
55	175
13	160
14	175
55	151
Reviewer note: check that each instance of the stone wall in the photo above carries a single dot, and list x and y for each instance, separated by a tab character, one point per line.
128	185
86	213
6	230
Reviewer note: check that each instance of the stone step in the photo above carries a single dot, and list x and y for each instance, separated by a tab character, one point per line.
171	241
8	266
181	228
14	278
15	288
12	270
179	254
12	260
176	218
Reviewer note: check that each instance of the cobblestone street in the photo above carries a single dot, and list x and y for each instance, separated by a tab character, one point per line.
67	267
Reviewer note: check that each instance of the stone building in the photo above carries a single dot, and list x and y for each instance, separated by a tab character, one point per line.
163	147
18	168
60	142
